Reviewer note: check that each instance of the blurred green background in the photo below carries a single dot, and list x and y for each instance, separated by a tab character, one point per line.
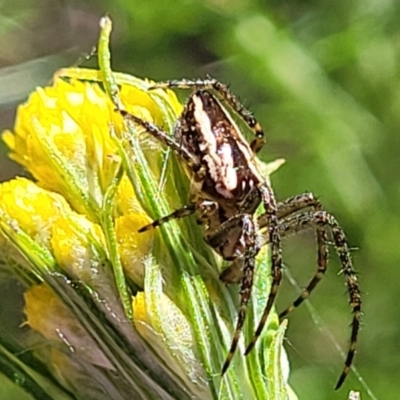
323	79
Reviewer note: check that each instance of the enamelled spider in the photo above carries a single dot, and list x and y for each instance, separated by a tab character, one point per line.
227	190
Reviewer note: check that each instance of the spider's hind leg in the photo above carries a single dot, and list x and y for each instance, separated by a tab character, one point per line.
289	224
323	221
247	241
276	258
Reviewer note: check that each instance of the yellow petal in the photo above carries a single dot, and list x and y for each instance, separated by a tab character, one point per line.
32	208
74	242
134	247
169	334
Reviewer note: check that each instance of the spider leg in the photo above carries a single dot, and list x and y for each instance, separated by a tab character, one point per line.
292	205
225	93
323	254
276	258
207	208
286	209
248	241
177	214
322	219
163	137
288	225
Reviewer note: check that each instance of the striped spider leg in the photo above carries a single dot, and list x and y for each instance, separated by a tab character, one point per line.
294	217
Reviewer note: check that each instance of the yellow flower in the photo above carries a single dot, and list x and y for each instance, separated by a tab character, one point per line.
32	209
69	137
64	137
121	314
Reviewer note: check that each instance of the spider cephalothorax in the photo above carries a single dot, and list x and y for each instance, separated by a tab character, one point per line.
226	191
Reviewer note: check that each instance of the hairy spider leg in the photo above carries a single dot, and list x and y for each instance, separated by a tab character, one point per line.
293	204
226	94
248	238
316	220
276	258
183	212
163	137
286	209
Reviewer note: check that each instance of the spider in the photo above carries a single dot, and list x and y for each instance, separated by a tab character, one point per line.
227	189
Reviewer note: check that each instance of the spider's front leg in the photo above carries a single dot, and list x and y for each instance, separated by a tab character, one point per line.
183	212
237	237
192	163
207	212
